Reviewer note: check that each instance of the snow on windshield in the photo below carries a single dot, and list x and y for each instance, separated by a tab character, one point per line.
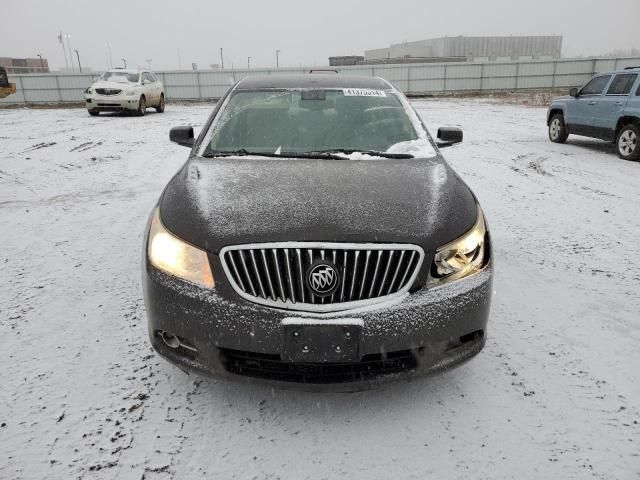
420	148
119	77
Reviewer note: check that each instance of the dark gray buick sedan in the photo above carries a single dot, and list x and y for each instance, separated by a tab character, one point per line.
316	235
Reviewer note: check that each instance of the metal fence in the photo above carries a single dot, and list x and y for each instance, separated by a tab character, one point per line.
413	79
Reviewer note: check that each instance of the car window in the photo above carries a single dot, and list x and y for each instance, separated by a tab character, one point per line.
120	77
145	76
622	84
153	77
311	120
595	86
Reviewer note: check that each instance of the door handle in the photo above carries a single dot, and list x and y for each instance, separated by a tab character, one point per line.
620	103
592	103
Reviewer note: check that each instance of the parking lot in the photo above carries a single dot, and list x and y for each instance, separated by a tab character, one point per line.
553	395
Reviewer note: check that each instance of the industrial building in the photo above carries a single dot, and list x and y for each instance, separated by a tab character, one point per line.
379	61
470	49
345	60
25	65
360	60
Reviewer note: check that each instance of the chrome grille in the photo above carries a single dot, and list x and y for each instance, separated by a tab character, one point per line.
275	274
108	91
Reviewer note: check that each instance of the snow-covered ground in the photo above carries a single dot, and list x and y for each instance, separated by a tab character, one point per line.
554	395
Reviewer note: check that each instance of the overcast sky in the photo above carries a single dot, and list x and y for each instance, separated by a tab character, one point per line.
306	32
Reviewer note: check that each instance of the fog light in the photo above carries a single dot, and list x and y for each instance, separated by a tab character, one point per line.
170	340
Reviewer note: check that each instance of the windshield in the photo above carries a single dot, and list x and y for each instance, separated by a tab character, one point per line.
120	77
301	121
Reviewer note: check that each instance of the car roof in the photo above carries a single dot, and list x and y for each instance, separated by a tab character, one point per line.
624	70
312	80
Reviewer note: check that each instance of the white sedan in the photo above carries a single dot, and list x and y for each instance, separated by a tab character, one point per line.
125	90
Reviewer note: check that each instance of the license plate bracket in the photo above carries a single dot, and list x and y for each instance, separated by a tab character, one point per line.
321	341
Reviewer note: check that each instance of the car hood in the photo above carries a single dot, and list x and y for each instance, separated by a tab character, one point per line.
212	203
114	85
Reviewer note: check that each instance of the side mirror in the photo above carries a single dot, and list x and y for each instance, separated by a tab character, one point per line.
182	136
573	92
448	136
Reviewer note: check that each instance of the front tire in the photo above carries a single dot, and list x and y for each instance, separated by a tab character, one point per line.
628	142
160	107
93	113
142	106
557	129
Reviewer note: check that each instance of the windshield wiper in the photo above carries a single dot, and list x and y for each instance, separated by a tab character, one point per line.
373	153
318	154
243	152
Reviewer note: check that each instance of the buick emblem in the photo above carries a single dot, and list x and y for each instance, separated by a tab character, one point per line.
323	279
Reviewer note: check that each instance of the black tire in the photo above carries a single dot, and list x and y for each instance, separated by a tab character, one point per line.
142	106
557	129
4	80
628	142
160	107
93	113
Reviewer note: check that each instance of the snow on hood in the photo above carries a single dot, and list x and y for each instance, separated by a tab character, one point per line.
114	85
213	203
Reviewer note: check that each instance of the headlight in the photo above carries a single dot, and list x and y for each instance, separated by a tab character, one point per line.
463	256
131	93
170	254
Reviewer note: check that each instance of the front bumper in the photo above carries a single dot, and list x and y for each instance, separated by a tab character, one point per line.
441	327
111	103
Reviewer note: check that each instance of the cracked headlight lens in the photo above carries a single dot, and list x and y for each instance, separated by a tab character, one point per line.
462	257
168	253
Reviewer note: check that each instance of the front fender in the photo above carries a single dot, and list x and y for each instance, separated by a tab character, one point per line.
553	109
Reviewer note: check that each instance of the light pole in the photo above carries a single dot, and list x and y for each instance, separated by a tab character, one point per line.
73	68
277	59
149	63
60	39
79	65
41	64
221	60
248	63
179	60
125	62
110	57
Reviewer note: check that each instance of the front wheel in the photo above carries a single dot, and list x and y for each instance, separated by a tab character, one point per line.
93	113
627	142
160	107
557	129
142	107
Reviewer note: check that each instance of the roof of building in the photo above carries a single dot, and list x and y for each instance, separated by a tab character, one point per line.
313	80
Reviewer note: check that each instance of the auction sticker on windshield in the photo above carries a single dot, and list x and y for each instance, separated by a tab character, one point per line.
363	92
